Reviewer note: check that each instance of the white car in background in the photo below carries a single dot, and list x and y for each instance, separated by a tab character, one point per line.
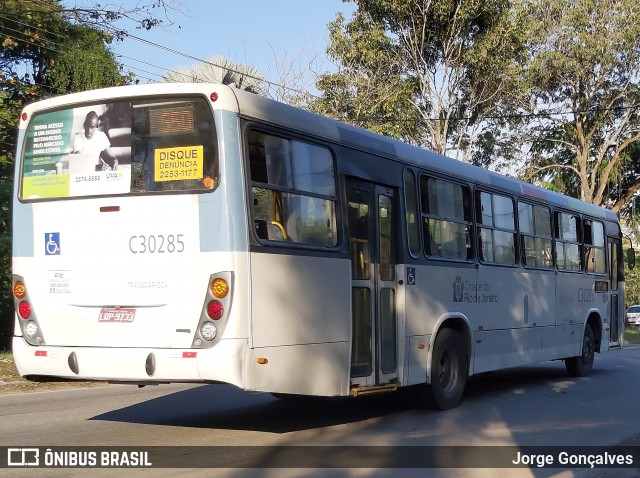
633	315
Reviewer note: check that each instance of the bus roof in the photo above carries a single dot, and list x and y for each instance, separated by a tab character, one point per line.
264	109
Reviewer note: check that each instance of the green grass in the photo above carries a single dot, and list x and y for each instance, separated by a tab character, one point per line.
8	372
632	335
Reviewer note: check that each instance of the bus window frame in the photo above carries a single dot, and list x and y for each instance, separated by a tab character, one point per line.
479	189
145	100
521	235
249	126
604	248
427	174
556	232
416	191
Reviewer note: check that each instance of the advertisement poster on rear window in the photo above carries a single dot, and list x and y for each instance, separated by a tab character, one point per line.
78	152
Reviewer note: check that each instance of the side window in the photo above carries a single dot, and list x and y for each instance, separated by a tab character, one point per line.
535	235
567	242
496	228
411	211
293	191
594	247
446	219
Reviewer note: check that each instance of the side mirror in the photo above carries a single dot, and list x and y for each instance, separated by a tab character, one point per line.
631	258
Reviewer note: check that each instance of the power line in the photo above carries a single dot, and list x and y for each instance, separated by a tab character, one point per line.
23	39
59	45
44	46
148	64
144	71
207	62
30	26
157	45
278	85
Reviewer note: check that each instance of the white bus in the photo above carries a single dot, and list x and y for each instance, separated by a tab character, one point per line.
198	233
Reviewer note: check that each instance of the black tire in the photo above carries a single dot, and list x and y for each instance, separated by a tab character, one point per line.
449	369
582	365
299	399
288	396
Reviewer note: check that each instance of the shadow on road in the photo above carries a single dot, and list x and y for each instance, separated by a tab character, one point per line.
226	407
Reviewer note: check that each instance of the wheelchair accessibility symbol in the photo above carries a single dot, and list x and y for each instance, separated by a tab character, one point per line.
52	243
411	276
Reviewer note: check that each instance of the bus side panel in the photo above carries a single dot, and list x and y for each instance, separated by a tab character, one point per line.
513	308
436	292
620	318
439	291
498	349
301	323
576	297
416	357
309	369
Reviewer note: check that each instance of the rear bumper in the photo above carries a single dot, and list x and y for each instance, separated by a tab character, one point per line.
222	363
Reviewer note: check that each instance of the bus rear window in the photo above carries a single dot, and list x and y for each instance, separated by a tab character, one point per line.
120	148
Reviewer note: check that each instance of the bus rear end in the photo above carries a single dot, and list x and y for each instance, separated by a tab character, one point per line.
125	256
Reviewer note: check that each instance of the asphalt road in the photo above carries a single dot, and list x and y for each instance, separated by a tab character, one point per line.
523	407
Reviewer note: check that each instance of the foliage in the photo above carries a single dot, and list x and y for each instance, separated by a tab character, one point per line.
106	18
427	72
631	285
632	335
370	87
6	299
545	84
78	68
583	72
219	70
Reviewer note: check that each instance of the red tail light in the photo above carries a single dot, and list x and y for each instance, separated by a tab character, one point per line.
24	310
215	309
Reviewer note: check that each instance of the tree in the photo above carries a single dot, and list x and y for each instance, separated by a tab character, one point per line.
631	286
78	68
296	75
6	298
369	89
98	17
581	87
219	70
428	72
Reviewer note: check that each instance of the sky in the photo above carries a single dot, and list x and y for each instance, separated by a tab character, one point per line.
265	34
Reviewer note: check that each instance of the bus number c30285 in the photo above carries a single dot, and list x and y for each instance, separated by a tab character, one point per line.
156	244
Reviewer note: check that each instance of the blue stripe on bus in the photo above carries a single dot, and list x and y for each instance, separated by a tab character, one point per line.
23	235
229	232
22	229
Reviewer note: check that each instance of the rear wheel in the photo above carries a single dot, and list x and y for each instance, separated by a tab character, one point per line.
288	396
299	399
449	369
581	365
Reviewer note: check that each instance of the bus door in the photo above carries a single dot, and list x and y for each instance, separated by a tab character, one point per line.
374	349
616	311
